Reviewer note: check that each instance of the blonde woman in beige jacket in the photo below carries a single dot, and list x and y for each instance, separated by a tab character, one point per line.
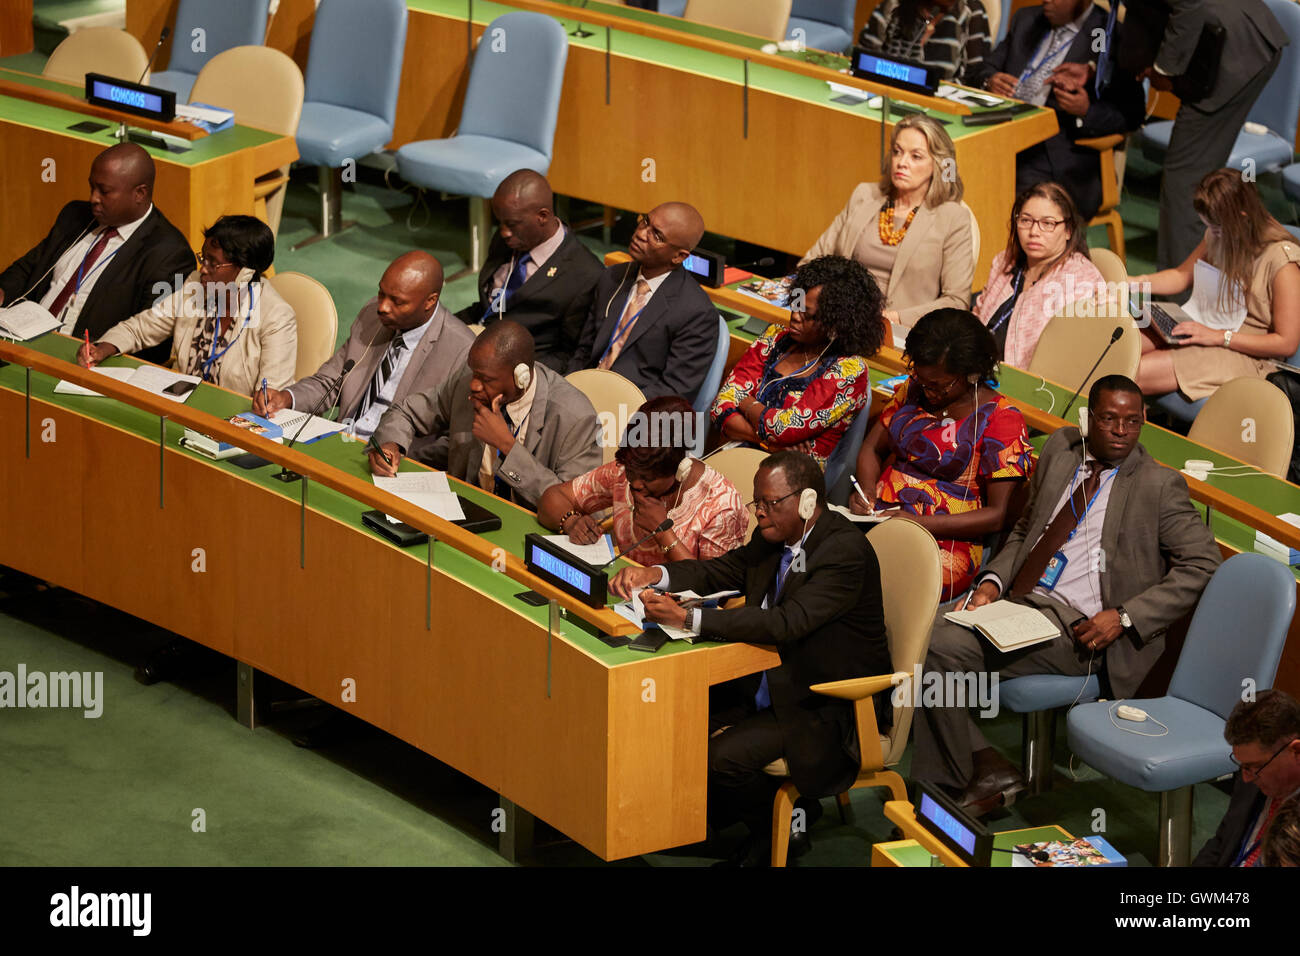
255	331
910	230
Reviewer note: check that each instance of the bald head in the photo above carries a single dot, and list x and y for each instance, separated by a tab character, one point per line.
493	359
506	342
121	184
409	290
666	237
523	207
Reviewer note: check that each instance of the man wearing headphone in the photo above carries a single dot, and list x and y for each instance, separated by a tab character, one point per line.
812	588
515	427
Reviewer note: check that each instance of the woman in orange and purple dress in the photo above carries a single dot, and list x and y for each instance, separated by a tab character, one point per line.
948	449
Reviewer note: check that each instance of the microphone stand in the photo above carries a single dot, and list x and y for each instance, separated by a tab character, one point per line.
124	132
1114	337
284	474
578	31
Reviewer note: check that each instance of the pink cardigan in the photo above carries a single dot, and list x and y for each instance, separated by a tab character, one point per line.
1073	280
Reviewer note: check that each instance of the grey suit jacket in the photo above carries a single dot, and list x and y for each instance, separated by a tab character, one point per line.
562	440
1158	554
439	355
934	268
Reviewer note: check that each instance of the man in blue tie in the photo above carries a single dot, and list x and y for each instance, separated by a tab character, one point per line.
536	272
812	588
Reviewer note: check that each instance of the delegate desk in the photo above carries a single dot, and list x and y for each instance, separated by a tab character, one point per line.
1236	504
667	114
608	745
44	164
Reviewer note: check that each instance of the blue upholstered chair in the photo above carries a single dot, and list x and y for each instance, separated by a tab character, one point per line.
1291	186
1038	698
844	458
1236	635
353	70
507	123
1277	108
826	24
224	24
712	382
674	8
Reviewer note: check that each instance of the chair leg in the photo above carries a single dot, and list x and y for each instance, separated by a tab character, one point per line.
480	231
782	811
846	806
1115	234
1038	735
331	206
1175	828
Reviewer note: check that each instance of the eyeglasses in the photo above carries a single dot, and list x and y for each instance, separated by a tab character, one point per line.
936	388
759	504
1256	771
1048	226
1113	423
206	262
643	222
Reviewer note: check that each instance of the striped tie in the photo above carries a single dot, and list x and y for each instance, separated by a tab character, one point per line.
626	322
386	367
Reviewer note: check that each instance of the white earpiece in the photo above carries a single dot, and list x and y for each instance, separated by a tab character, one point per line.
973	379
523	376
1083	420
807	503
684	469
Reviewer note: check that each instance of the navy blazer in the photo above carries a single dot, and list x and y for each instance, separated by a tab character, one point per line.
672	344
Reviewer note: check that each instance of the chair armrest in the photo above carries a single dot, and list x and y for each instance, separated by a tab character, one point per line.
1101	143
856	688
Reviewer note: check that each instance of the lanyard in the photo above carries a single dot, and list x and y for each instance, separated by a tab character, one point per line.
1009	306
620	328
213	355
1088	507
518	428
764	383
1048	55
96	267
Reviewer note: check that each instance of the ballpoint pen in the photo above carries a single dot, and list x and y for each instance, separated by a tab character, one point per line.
373	445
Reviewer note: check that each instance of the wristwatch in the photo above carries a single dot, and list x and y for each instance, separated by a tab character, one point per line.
1227	338
1124	619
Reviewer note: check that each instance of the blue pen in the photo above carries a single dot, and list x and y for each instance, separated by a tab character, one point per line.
265	400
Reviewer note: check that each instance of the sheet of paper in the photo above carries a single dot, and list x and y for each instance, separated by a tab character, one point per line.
1203	306
602	552
26	320
862	519
841	89
1007	624
115	372
290	421
633	609
969	97
424	489
158	380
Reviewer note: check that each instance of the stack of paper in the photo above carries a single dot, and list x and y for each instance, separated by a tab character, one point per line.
424	489
118	372
1268	545
597	555
290	421
26	320
148	377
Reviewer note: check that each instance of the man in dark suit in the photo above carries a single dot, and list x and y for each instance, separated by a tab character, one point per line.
1265	738
402	342
1110	549
1159	42
536	272
812	589
107	259
1026	65
515	427
650	321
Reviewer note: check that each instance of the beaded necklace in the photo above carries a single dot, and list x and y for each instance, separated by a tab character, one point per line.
887	234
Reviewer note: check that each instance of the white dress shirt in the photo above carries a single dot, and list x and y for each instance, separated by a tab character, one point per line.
368	422
65	269
537	257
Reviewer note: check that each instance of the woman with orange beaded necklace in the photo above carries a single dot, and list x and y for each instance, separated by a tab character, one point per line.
910	230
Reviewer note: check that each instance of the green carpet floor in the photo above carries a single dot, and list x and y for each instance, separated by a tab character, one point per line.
125	788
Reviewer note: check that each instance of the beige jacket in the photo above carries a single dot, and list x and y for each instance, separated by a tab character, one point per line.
267	347
935	264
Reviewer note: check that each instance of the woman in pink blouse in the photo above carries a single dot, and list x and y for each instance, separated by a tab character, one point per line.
801	387
651	479
1044	268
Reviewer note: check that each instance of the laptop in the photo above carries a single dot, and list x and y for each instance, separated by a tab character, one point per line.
1162	316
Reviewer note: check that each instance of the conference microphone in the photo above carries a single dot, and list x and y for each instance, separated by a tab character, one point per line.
162	38
665	525
1114	337
763	263
284	474
578	30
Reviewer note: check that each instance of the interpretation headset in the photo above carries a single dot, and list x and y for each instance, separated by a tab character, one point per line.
523	376
807	503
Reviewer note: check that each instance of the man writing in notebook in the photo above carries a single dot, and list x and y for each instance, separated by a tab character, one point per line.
1108	548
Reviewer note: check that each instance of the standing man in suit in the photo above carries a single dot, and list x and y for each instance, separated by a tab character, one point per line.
402	342
1026	66
1110	549
107	259
1265	738
536	272
812	589
650	321
1159	42
515	426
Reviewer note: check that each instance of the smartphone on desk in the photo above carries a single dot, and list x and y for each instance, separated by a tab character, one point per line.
180	388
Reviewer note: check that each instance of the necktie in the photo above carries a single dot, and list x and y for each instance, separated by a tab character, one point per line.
1252	852
385	371
79	276
762	698
499	487
1103	58
513	282
626	322
1057	533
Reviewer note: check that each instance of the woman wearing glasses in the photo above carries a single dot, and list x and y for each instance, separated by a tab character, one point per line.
1259	265
1044	269
227	325
948	449
801	387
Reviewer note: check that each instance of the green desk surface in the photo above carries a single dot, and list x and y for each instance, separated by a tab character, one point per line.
911	853
346	456
728	67
57	120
